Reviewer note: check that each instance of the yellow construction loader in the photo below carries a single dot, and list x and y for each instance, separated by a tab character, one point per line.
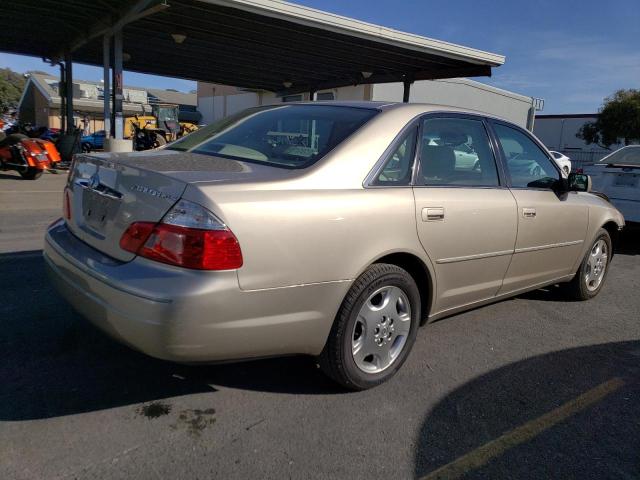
158	128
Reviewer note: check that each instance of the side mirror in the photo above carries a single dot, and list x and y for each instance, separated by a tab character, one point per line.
579	182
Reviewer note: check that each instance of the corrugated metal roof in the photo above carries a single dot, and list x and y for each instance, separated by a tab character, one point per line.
260	44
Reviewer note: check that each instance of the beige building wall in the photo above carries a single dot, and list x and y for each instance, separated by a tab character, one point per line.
95	121
54	119
41	108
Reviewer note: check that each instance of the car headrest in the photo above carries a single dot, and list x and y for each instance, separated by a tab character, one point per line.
453	138
437	161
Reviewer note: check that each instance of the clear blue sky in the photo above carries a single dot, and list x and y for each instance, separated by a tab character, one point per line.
571	53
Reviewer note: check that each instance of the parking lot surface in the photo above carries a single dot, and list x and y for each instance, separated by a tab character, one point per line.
532	387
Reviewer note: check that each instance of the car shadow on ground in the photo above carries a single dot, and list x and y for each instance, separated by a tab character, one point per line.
55	363
8	176
568	414
629	240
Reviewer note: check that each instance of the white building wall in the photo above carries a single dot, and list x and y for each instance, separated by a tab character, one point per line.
237	103
459	92
354	92
463	93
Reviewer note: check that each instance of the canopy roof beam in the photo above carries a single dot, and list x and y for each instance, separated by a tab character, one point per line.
135	12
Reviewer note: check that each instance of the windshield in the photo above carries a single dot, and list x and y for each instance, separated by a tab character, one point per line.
167	114
629	155
289	136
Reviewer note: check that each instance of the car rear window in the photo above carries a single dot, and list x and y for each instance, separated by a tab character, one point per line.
288	136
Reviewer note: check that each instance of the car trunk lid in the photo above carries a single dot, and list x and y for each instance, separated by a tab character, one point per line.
108	192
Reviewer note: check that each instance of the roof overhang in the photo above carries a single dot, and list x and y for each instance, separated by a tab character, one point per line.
257	44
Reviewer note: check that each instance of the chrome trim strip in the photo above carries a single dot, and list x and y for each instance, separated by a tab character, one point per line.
104	191
545	247
312	284
498	297
475	257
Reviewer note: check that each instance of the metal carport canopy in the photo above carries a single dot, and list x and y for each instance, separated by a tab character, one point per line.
255	44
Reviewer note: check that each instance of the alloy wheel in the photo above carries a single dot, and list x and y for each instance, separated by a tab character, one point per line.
381	329
596	265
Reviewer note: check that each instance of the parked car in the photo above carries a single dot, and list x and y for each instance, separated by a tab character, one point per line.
618	177
326	229
94	141
51	134
562	160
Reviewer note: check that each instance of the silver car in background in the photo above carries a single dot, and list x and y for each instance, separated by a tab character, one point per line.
326	229
618	176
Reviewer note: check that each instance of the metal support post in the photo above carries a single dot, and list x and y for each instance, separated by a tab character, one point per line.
117	85
63	108
407	90
106	85
68	81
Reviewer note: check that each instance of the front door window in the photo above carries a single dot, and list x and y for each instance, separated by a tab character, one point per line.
527	164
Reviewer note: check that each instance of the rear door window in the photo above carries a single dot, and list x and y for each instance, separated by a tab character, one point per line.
397	169
456	152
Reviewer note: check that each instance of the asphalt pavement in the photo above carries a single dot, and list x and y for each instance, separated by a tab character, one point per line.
527	388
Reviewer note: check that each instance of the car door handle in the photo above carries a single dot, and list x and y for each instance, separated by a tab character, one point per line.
432	214
528	212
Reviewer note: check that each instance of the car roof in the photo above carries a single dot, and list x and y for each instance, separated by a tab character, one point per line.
385	106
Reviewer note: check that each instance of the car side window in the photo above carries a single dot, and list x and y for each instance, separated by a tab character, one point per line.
456	152
398	168
527	164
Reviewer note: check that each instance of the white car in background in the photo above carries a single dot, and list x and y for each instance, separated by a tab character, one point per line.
562	160
618	176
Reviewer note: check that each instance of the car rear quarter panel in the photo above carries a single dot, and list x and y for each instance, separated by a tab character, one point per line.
321	225
296	237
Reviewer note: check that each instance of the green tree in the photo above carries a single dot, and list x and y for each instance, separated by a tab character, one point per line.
11	86
619	120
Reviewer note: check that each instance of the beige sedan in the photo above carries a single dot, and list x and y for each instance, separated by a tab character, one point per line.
327	229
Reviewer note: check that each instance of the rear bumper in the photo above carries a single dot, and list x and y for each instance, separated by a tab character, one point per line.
186	315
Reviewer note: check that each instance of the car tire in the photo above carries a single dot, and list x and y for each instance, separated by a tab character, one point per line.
593	269
31	174
86	148
366	349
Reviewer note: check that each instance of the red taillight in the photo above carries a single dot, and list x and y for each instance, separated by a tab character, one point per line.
67	205
183	246
135	236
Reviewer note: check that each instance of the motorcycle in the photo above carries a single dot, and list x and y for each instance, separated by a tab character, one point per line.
30	157
43	138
